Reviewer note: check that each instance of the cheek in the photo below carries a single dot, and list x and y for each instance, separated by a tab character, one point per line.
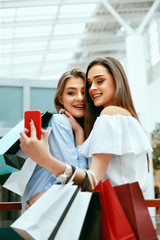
89	91
67	102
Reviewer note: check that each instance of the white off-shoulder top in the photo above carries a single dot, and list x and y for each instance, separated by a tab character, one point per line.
123	137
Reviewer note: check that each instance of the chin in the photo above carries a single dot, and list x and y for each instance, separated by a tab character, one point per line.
97	104
79	115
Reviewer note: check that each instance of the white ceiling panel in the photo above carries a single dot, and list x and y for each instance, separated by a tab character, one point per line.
42	39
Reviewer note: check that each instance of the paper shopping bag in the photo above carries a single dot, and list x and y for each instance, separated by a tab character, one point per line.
114	223
91	229
14	156
47	213
133	203
71	225
83	218
5	144
4	177
17	181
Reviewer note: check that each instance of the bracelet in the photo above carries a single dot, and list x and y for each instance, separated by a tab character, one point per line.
90	179
93	174
74	169
64	176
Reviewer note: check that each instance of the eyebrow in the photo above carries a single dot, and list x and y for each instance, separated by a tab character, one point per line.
99	75
73	88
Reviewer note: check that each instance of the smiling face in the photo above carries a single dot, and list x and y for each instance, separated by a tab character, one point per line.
73	97
102	86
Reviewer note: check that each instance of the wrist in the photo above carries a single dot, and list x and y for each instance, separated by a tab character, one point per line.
79	137
49	164
63	177
78	130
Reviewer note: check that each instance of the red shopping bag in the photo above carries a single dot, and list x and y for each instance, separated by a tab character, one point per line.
134	206
114	223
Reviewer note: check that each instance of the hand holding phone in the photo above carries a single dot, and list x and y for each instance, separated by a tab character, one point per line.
34	115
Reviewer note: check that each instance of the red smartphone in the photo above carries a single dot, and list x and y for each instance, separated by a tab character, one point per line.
36	116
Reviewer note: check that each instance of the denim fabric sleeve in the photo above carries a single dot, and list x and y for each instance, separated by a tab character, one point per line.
62	142
83	161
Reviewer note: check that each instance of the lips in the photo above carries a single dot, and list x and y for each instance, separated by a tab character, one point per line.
96	95
79	106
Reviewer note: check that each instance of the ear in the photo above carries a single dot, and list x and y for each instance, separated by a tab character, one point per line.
60	99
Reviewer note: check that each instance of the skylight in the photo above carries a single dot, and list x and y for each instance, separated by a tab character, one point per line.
77	10
69	28
39	40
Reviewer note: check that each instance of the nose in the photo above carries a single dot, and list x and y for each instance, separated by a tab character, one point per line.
93	86
80	97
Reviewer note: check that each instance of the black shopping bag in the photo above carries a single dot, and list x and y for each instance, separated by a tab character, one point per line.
6	143
91	229
12	157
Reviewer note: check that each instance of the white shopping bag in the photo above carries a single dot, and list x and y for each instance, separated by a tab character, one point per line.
44	216
17	181
73	222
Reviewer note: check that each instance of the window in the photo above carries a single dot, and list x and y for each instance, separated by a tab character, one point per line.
11	102
154	42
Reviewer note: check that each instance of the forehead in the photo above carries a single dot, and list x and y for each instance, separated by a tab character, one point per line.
97	70
74	82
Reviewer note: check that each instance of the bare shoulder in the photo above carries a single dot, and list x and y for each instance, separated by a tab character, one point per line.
115	110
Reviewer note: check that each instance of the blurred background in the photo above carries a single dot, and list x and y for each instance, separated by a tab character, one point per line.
39	40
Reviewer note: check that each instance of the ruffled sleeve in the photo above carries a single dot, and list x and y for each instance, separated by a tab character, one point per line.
117	135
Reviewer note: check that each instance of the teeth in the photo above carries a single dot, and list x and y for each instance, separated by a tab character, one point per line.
80	106
97	95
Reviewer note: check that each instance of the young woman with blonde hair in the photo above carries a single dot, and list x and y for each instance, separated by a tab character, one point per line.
64	139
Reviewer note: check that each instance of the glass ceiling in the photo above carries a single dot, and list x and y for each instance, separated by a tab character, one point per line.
38	42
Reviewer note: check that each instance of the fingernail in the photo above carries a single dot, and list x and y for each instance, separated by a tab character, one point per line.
61	111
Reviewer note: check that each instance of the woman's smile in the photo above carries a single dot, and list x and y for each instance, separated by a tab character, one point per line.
101	86
73	97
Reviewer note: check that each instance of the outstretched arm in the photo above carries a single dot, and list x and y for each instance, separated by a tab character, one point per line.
38	150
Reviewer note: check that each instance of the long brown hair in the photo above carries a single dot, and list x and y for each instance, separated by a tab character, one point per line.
122	96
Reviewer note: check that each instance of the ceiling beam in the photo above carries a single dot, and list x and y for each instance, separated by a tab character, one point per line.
88	48
82	63
117	17
61	61
148	16
38	3
43	22
136	1
88	35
